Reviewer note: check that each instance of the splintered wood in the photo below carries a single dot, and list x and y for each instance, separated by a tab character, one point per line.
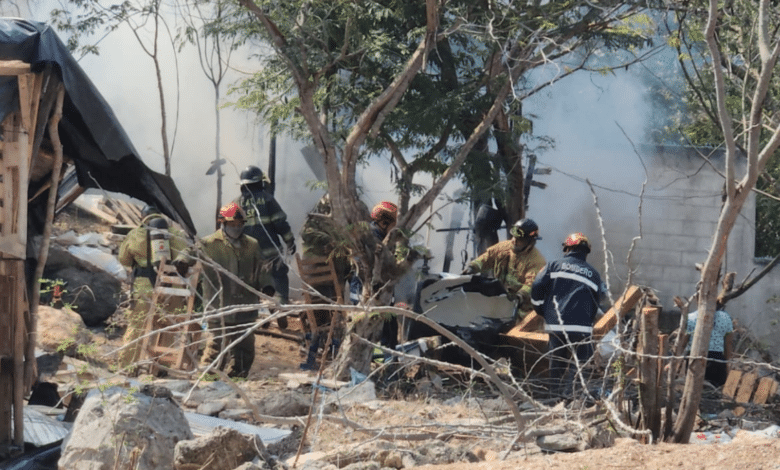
622	305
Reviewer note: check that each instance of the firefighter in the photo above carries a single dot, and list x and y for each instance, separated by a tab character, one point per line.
514	262
235	251
267	223
567	294
141	252
383	219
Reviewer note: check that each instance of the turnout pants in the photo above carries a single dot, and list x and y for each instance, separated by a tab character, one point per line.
237	361
563	368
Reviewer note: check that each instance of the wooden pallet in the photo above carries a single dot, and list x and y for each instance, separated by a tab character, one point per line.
748	388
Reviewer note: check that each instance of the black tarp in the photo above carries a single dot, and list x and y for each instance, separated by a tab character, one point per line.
90	133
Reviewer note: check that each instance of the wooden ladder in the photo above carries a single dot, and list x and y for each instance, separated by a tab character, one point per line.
171	310
318	271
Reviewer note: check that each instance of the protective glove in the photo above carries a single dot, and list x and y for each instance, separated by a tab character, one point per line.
291	248
469	270
523	297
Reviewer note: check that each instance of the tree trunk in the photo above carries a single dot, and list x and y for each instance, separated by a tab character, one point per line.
708	293
217	156
356	354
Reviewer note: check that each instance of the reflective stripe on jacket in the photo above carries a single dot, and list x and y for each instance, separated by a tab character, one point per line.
574	286
266	222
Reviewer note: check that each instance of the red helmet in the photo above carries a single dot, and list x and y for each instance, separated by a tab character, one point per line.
231	212
384	211
576	240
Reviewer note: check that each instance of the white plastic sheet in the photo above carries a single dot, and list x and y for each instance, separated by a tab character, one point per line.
99	258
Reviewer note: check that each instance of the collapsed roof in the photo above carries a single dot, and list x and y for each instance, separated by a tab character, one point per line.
92	137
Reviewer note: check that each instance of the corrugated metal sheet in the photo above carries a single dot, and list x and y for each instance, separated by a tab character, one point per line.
41	429
202	425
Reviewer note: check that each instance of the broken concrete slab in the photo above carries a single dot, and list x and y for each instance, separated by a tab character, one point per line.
221	449
117	426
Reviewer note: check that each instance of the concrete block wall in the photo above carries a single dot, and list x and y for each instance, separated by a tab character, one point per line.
679	214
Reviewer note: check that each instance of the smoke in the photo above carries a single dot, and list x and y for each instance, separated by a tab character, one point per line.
594	121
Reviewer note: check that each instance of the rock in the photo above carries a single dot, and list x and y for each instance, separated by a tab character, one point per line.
361	393
211	391
309	460
313	465
566	442
61	330
253	466
236	414
370	465
117	427
600	437
285	404
223	449
211	408
626	442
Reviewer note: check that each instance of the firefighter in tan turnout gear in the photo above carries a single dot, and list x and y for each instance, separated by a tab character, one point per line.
141	252
514	262
238	253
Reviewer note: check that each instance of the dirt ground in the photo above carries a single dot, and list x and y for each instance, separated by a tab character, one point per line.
745	451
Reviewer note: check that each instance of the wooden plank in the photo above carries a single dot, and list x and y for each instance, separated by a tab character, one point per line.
532	322
537	339
128	214
13	67
25	99
732	381
746	385
622	305
764	390
172	291
13	233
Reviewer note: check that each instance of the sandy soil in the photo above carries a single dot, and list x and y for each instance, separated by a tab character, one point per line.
745	452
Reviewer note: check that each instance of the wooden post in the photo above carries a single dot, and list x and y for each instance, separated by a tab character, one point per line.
648	370
19	310
31	369
7	315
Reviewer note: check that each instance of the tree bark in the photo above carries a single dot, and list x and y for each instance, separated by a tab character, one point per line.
736	194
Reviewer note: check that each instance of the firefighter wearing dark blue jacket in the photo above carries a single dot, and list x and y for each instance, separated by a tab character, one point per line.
566	293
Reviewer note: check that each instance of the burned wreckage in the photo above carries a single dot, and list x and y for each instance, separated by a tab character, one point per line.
473	307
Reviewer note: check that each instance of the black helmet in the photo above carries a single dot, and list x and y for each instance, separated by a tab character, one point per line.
158	223
252	174
148	210
525	228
